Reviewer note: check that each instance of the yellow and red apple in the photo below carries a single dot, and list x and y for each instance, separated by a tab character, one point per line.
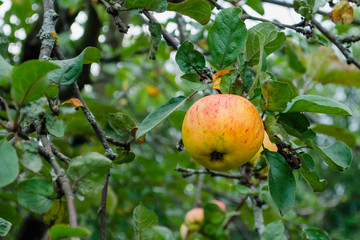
222	131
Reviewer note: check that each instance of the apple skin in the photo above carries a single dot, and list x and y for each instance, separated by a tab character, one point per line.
267	144
222	131
194	219
220	204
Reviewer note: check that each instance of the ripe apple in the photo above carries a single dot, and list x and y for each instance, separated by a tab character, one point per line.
220	204
222	131
194	218
267	144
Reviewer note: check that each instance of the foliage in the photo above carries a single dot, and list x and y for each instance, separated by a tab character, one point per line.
60	147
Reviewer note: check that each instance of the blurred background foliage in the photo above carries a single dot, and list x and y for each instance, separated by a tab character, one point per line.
127	81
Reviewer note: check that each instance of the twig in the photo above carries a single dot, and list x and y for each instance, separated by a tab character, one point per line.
103	208
125	145
2	98
218	6
350	39
189	172
168	37
307	33
59	155
349	58
48	39
200	184
241	203
290	5
64	181
47	33
113	11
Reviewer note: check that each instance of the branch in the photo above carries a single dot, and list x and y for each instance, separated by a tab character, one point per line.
290	5
349	58
189	172
103	208
307	33
218	6
350	39
113	11
168	37
64	181
200	184
125	145
47	33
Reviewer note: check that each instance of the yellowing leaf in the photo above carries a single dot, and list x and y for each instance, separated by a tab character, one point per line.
216	77
75	101
133	133
342	11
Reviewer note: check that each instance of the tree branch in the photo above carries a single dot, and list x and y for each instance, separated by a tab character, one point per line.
189	172
168	37
113	11
64	181
103	208
349	58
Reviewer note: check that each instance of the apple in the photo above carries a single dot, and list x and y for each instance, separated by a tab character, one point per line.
184	231
267	144
194	219
222	131
220	204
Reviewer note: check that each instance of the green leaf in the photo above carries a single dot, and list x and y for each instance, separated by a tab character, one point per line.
256	5
311	176
303	8
5	227
35	194
337	132
88	172
263	35
30	157
155	31
246	74
274	231
319	104
162	233
158	5
230	84
29	80
5	72
57	214
188	59
315	234
214	218
177	118
62	231
157	116
273	128
143	221
10	213
244	190
297	125
121	124
338	156
54	126
9	169
281	180
199	10
123	156
191	81
227	37
70	69
276	95
293	57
